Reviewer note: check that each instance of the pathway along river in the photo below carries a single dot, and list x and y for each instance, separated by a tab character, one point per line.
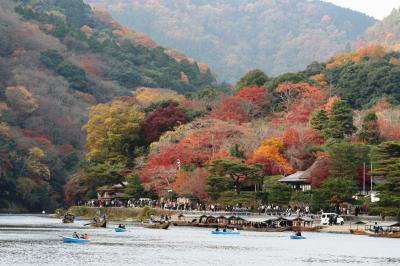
35	240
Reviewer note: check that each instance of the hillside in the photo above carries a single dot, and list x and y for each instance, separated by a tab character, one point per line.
57	59
386	32
326	120
234	36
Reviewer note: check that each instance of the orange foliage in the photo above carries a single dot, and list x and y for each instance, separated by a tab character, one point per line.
230	109
372	50
381	104
331	101
299	100
270	155
389	129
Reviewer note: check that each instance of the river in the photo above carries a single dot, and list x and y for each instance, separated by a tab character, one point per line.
36	240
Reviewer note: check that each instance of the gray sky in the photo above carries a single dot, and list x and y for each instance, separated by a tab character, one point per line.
376	8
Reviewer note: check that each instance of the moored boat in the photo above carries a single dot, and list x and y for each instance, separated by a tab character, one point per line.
387	235
157	225
68	239
306	228
357	232
225	233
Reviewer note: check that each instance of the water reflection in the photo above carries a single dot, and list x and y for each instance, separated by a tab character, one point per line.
29	240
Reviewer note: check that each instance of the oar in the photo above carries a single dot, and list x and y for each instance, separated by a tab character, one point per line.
88	224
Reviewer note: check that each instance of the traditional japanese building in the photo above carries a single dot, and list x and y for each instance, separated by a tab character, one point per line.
298	181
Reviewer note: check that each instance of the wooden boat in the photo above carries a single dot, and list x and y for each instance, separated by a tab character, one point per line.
120	230
157	225
357	232
178	223
387	235
297	237
67	220
225	233
265	229
102	223
306	228
68	239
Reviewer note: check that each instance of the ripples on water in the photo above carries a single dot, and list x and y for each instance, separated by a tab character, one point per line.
30	240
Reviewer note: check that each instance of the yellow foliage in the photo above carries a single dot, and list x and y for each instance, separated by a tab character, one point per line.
35	165
3	108
20	98
111	130
184	78
320	79
5	131
86	97
147	96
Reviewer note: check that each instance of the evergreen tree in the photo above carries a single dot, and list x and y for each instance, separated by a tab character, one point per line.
386	158
251	78
345	158
319	119
135	186
340	121
370	129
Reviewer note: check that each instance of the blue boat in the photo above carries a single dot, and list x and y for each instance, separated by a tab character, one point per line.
68	239
225	233
119	230
297	237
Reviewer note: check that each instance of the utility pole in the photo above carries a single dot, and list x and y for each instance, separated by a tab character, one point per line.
364	179
371	181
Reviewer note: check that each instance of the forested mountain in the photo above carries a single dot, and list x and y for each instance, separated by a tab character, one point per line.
58	58
233	36
328	119
385	32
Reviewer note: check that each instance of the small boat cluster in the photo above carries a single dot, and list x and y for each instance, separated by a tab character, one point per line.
261	223
378	229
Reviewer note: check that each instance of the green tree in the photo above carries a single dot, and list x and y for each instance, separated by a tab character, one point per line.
319	120
134	188
370	132
386	159
340	121
345	158
51	58
279	193
100	174
389	193
253	77
236	170
236	152
75	75
216	185
333	191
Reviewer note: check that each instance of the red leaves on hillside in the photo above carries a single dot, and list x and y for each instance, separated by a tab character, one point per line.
254	94
161	120
232	108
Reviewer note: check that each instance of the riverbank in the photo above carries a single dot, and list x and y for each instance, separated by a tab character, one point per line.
118	214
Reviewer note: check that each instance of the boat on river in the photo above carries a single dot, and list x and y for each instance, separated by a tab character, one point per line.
225	233
68	218
357	232
68	239
120	229
297	237
383	229
157	225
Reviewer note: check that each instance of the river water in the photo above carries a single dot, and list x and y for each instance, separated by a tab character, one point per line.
36	240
